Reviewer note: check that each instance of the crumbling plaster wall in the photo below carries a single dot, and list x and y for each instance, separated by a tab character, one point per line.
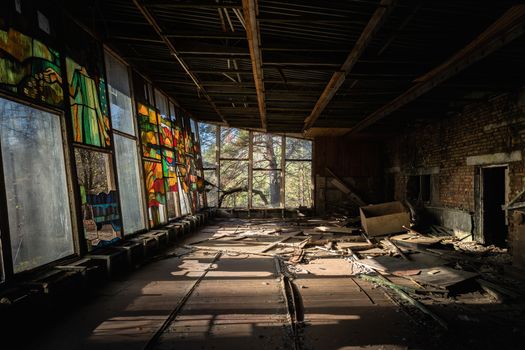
484	133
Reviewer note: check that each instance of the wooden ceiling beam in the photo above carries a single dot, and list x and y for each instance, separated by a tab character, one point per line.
508	27
204	35
273	18
153	23
254	42
193	3
339	77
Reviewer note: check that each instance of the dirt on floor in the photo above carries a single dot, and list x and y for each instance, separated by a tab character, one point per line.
307	283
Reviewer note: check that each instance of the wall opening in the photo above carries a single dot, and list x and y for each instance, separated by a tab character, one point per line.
495	229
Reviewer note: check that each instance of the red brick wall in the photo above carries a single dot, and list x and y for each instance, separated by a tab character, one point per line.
492	126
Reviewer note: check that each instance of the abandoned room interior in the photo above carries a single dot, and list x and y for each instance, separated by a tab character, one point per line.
262	174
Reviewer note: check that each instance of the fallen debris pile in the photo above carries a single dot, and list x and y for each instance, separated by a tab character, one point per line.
422	271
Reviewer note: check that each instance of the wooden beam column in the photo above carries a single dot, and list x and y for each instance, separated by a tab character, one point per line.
339	77
254	41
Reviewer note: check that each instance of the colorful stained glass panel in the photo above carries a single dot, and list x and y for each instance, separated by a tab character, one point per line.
89	108
30	69
156	193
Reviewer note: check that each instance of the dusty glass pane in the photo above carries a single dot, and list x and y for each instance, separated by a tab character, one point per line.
266	190
193	124
298	148
36	186
129	184
208	141
2	271
119	95
298	179
234	143
212	193
266	151
185	206
98	193
234	184
161	102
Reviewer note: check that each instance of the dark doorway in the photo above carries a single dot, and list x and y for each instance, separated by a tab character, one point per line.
494	225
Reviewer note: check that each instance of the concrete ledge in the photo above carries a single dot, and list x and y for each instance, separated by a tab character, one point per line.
149	243
161	236
134	252
172	233
116	260
57	282
494	158
94	271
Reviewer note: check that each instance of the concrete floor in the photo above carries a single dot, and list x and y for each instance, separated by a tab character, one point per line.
235	300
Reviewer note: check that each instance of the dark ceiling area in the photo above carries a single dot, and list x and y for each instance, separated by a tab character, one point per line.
289	66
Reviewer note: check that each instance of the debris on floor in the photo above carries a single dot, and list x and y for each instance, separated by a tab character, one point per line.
429	275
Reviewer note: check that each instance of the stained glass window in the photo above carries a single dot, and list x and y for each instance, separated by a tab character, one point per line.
156	193
89	107
179	143
30	69
170	180
149	132
36	185
100	205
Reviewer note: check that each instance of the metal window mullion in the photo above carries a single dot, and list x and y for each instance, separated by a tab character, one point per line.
218	161
250	169
283	172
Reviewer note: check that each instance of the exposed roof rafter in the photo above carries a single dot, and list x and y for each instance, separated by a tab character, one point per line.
508	27
151	20
254	42
339	77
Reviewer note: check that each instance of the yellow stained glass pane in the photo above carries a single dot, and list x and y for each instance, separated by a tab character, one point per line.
153	116
143	110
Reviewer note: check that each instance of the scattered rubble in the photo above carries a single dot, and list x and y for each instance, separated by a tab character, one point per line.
421	270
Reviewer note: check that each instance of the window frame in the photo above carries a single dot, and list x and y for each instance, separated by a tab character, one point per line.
5	234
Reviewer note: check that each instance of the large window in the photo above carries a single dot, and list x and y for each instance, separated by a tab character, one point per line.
252	171
234	155
267	156
126	149
234	184
36	187
298	173
208	147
